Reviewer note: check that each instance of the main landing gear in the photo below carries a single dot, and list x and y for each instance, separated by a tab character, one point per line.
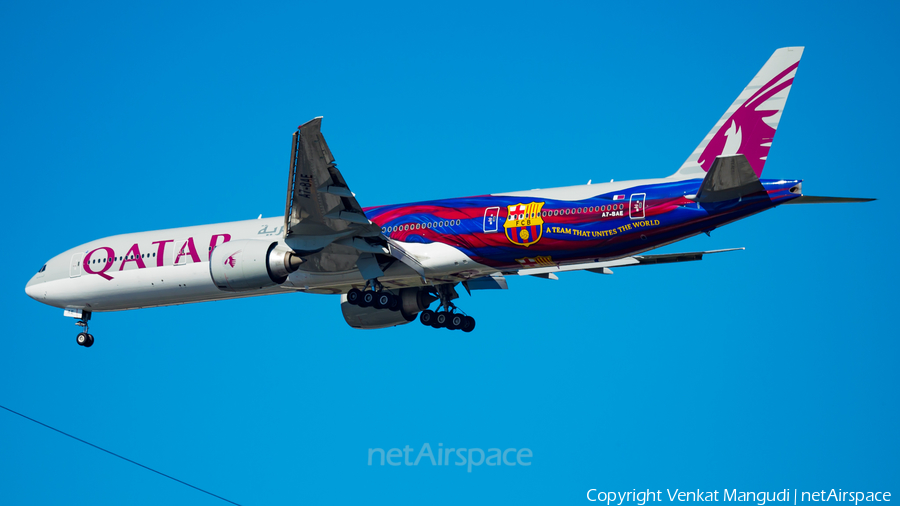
84	338
377	297
448	315
447	320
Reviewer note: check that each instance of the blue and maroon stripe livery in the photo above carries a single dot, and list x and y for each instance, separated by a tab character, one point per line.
597	227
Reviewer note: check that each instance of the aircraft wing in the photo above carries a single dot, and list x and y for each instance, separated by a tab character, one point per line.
320	208
603	267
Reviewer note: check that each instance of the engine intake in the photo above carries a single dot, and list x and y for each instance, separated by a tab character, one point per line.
248	264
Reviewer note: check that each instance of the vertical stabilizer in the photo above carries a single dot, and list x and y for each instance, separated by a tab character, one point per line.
749	125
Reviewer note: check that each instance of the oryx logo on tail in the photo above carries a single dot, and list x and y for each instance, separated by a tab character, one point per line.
748	126
524	225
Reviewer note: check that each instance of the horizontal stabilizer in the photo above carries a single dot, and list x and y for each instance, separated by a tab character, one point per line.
809	199
603	267
729	178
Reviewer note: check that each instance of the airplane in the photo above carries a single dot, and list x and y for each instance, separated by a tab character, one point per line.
390	263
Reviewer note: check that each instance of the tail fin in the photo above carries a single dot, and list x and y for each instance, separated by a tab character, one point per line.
749	125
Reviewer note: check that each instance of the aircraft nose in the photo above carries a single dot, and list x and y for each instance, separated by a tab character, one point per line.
31	289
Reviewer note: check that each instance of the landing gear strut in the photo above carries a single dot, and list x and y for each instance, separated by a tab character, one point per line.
84	338
448	315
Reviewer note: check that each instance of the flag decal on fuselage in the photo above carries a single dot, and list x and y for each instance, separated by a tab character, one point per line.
537	261
524	225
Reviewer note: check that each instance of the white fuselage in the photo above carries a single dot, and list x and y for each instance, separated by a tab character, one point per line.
170	267
145	269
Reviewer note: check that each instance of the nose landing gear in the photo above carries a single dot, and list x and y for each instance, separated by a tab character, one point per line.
84	338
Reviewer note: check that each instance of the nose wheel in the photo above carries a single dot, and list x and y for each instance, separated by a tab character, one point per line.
84	339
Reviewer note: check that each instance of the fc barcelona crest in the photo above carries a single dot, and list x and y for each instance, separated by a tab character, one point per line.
524	225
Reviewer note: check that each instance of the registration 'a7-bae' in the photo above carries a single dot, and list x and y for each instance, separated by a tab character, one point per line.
390	263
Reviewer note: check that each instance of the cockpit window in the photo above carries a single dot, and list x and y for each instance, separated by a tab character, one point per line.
44	268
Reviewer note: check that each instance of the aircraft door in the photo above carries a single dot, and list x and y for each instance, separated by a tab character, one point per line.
75	265
636	206
491	217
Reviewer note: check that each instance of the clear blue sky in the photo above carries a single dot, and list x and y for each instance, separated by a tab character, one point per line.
771	368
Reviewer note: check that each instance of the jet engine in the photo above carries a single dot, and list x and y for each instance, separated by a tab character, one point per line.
248	264
412	301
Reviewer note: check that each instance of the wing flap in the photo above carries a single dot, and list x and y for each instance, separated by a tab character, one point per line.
602	267
495	281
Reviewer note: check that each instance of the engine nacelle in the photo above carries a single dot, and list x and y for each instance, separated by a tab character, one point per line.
248	264
412	301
